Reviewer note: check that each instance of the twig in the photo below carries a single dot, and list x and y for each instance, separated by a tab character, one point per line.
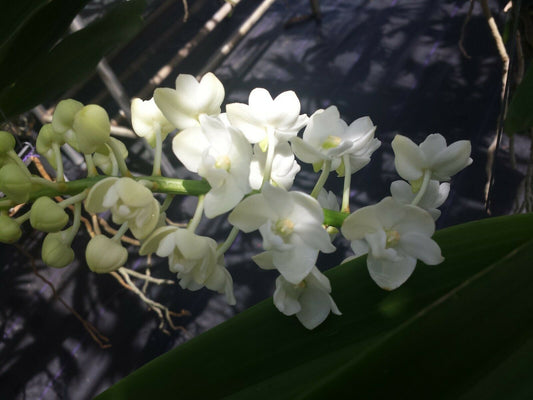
99	338
463	29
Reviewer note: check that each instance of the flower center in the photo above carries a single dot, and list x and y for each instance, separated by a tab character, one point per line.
393	237
331	142
223	162
283	228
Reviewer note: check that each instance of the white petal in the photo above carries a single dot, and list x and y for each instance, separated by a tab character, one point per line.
242	117
415	220
264	260
359	247
279	200
306	152
315	236
421	247
174	110
433	145
402	192
285	110
251	213
211	94
361	222
390	275
222	199
95	199
151	244
316	305
133	194
189	146
450	161
286	297
409	159
295	264
260	101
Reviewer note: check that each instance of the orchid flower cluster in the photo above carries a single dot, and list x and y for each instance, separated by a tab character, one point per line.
247	159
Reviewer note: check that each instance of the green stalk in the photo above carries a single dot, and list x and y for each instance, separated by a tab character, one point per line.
326	168
195	221
121	231
347	181
60	174
37	180
156	171
228	242
89	162
423	188
120	160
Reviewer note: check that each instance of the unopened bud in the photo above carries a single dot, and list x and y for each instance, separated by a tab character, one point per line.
92	128
15	183
105	255
56	251
47	216
7	142
63	118
9	230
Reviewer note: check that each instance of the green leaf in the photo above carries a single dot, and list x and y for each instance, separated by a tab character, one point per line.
520	113
41	25
73	59
462	328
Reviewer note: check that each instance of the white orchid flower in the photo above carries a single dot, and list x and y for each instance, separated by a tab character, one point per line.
280	116
291	226
184	105
221	155
129	201
194	258
147	119
310	300
328	137
394	235
432	199
432	156
284	167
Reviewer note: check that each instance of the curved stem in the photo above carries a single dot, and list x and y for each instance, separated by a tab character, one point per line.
91	168
73	230
74	199
60	174
197	214
23	218
423	188
167	202
120	232
120	160
228	242
326	168
345	207
14	156
156	171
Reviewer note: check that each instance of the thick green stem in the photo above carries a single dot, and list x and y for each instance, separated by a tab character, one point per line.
121	231
423	188
156	171
120	160
326	168
197	214
14	156
75	223
347	181
228	242
37	180
74	199
89	162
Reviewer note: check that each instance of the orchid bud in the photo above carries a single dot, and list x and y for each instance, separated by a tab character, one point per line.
47	216
104	157
15	183
9	230
63	118
105	255
48	136
92	128
56	251
7	142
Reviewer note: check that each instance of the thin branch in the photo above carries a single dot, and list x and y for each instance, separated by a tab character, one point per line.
463	29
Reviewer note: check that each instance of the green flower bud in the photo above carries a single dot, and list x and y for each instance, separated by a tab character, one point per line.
47	216
48	136
7	142
9	230
104	156
63	118
105	255
56	251
92	128
15	183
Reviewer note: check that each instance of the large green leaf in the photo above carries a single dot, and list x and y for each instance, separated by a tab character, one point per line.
73	59
463	328
520	113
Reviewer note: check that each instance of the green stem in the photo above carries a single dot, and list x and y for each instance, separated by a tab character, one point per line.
156	171
167	202
423	188
23	218
75	223
74	199
37	180
121	231
120	160
345	207
228	242
60	174
91	168
326	168
197	214
6	203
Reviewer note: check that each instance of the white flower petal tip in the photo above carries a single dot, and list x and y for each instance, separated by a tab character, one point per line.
183	106
395	235
148	120
309	300
432	154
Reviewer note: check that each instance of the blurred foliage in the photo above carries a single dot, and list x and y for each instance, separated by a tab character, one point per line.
39	59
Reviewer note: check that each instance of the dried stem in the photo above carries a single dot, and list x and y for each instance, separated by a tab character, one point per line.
463	29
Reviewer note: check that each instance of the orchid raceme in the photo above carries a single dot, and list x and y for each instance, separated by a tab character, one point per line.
246	158
221	155
184	105
291	226
394	235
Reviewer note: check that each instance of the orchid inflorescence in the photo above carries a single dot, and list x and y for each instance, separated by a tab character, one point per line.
247	160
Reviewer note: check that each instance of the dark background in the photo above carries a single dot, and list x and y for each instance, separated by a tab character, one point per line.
396	61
